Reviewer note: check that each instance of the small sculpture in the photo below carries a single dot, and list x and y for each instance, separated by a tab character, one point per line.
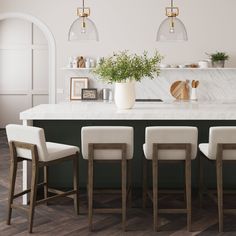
81	62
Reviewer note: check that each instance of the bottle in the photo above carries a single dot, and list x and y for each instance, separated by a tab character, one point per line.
74	62
105	94
110	96
92	63
70	64
99	59
87	63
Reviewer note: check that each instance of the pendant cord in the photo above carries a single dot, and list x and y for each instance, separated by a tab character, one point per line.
83	25
172	18
172	5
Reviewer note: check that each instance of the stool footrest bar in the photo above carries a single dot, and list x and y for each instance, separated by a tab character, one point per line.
107	210
172	211
56	196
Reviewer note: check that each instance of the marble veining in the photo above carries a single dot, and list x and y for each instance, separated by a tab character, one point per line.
167	110
215	84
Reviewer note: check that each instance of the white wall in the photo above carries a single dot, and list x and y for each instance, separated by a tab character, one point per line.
133	24
23	68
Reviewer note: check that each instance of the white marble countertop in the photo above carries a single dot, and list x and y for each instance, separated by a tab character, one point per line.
99	110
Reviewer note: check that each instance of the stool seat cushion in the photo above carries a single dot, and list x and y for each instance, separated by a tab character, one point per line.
107	135
57	150
170	135
170	155
204	147
227	154
47	151
219	135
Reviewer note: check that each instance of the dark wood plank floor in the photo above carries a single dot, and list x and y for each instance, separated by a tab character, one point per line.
59	218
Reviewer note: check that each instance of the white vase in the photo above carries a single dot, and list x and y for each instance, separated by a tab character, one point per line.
125	95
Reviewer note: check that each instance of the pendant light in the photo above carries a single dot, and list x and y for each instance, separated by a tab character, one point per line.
83	28
172	28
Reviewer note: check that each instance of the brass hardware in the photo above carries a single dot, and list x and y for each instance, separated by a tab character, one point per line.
168	30
83	26
172	11
172	25
83	12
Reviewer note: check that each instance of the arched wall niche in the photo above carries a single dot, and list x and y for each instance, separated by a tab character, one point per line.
51	47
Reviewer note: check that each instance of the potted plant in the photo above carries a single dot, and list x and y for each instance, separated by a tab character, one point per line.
218	59
124	69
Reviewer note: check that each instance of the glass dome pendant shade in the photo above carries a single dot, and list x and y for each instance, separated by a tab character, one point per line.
172	28
83	28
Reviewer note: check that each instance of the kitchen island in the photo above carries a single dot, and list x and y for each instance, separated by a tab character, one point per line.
63	122
167	110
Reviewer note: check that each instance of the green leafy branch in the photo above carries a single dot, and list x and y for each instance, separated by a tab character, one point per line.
123	66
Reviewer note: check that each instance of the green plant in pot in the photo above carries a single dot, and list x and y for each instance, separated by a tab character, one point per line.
124	69
218	59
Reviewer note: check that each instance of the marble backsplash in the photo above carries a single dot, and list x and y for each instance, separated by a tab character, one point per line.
215	84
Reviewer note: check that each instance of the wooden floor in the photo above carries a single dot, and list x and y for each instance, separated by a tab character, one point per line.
59	218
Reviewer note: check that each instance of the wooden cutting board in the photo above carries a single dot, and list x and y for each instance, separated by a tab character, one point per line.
180	90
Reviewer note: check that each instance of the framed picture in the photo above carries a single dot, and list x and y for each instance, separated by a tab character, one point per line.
89	94
76	86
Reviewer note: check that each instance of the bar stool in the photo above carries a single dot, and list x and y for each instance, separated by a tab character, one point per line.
28	144
169	144
108	144
221	147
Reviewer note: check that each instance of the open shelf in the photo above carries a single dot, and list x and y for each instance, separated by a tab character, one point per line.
77	69
203	69
162	69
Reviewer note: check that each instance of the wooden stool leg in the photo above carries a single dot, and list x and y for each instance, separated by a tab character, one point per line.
201	180
33	194
155	193
129	173
188	192
13	171
184	179
45	169
144	182
75	183
90	193
219	192
124	191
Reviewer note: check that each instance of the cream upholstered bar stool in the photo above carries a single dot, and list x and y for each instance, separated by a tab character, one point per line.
108	144
169	144
28	144
221	147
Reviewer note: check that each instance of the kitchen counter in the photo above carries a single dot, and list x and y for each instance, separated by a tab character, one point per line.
63	122
167	110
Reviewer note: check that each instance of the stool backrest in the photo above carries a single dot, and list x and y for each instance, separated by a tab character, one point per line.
107	134
222	135
27	134
171	134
